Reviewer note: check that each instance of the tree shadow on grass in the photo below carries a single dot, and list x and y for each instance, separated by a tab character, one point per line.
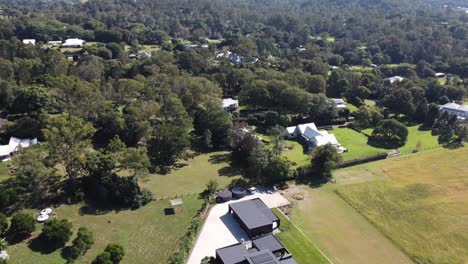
219	158
384	145
38	244
229	171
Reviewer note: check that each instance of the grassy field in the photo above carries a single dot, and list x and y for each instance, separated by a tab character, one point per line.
340	232
147	234
302	249
193	177
421	204
3	171
296	154
355	142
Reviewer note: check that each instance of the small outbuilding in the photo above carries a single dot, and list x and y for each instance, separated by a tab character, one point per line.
29	41
176	205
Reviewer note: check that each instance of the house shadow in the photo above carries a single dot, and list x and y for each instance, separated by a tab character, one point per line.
234	227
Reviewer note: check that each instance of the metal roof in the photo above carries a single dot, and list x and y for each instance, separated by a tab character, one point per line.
268	242
254	213
176	202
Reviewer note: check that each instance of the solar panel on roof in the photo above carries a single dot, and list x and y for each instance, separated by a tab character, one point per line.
262	257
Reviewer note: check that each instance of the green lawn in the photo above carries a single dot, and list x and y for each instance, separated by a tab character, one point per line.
415	135
150	48
355	142
352	108
193	176
4	171
421	204
147	234
296	154
302	249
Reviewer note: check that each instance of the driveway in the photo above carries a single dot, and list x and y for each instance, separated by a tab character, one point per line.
221	230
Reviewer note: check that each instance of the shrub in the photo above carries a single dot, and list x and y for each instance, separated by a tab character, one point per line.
142	199
116	252
82	242
3	223
57	232
22	225
103	258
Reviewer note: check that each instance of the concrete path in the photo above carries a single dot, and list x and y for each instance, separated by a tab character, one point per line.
221	230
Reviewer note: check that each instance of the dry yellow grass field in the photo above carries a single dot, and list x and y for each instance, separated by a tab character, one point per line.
421	204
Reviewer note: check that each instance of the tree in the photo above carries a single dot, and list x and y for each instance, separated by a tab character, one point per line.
399	101
210	189
324	159
83	241
167	144
214	119
57	232
367	116
317	84
432	115
278	170
3	224
103	258
21	225
391	133
68	137
33	177
116	252
33	99
277	133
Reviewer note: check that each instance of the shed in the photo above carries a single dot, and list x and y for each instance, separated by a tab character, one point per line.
176	205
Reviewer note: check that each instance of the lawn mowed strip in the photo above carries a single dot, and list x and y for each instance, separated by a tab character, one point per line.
147	234
4	173
303	251
421	205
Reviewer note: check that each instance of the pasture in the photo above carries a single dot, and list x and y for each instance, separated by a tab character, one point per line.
302	249
421	204
147	234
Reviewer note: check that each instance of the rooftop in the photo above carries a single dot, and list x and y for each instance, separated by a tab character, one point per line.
254	213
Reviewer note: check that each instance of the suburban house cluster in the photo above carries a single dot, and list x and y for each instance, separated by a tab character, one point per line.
14	145
314	137
461	111
259	222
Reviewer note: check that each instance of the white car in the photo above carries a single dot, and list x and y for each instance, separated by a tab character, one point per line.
253	190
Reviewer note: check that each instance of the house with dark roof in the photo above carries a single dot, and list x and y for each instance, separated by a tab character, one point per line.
254	217
262	250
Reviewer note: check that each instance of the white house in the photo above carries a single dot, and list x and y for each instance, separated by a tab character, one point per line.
13	146
54	42
230	104
340	103
461	111
29	41
394	79
73	43
440	75
313	136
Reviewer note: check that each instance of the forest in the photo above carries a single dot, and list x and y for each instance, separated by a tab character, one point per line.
145	89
